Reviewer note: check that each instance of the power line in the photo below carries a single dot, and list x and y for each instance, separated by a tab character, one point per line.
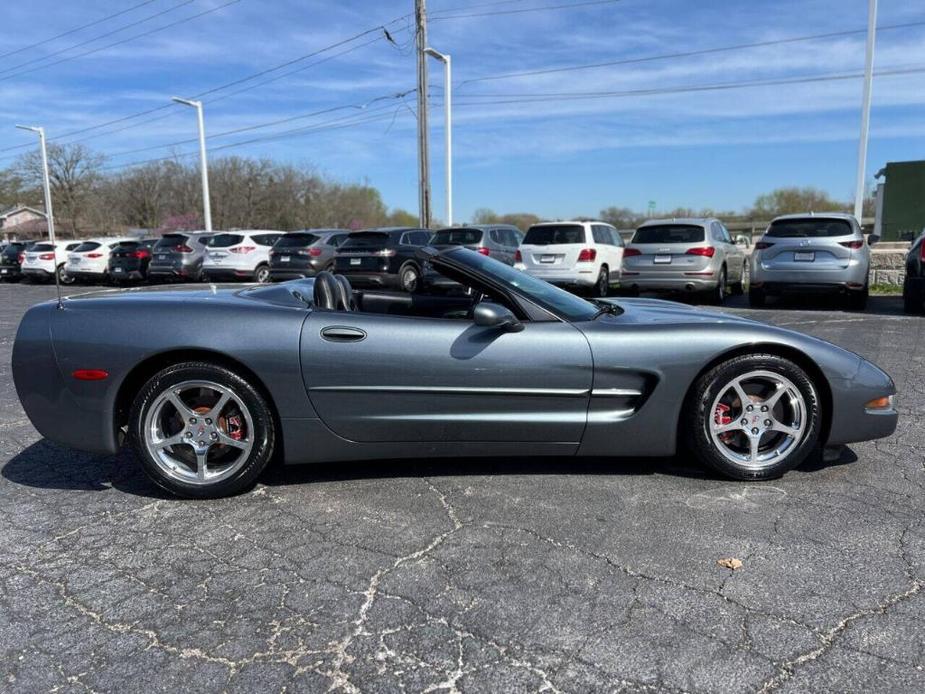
76	29
97	38
122	41
688	54
439	17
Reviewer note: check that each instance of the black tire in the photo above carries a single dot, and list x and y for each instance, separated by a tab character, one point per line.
63	277
602	286
698	418
756	298
912	304
857	301
262	274
264	429
409	278
717	295
741	287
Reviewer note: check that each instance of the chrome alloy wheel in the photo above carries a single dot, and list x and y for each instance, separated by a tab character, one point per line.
199	432
758	419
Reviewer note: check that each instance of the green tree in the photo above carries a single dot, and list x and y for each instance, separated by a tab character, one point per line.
793	201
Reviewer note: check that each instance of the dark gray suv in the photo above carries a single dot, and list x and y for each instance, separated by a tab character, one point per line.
304	253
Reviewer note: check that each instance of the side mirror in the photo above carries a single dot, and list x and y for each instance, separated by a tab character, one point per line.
873	239
489	315
742	241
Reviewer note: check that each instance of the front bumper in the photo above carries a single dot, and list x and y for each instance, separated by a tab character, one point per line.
851	420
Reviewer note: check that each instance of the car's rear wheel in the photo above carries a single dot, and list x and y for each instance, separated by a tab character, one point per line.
410	277
912	303
717	295
602	287
857	300
201	431
262	274
63	277
753	417
741	287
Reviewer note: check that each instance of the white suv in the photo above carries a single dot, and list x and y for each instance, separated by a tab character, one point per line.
239	255
90	260
44	259
581	255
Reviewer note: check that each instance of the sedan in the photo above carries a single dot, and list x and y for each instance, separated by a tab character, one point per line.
516	367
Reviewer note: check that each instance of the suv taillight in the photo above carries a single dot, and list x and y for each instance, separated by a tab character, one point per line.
22	258
483	250
243	249
705	251
761	245
47	256
853	245
518	258
630	252
94	255
314	252
141	253
183	248
386	252
587	255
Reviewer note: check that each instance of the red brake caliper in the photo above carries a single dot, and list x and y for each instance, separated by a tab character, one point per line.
721	417
235	428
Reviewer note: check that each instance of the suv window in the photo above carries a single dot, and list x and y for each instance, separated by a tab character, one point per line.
265	239
224	240
296	240
601	234
87	246
453	237
415	238
336	240
171	240
615	235
43	247
809	228
366	239
669	233
550	234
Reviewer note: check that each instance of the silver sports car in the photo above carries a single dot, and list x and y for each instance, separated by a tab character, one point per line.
209	384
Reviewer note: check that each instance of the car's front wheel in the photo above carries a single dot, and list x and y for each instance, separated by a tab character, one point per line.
753	417
410	277
202	431
602	287
262	274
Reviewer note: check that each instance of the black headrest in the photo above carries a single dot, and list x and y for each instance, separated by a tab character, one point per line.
326	291
345	298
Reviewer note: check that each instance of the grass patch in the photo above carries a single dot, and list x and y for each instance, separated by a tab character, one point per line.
886	289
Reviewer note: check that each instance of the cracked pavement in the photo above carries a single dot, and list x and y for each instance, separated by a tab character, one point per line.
473	575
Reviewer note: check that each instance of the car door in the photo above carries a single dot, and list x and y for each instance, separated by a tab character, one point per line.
377	377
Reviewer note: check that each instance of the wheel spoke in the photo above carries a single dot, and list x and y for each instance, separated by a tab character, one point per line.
219	406
775	397
201	456
783	428
742	395
182	408
754	442
226	440
725	428
171	441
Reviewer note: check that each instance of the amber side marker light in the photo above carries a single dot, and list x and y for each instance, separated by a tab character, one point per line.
880	403
90	374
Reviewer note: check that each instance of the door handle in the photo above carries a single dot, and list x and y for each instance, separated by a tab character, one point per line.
342	333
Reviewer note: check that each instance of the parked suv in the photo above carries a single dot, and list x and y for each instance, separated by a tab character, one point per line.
824	253
10	260
44	259
178	256
914	284
304	253
383	257
498	241
239	255
685	255
128	262
580	255
89	262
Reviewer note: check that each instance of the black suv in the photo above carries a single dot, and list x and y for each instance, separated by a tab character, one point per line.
914	284
383	257
304	253
10	260
129	260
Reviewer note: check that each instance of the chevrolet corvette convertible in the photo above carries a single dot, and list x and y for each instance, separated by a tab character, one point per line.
208	385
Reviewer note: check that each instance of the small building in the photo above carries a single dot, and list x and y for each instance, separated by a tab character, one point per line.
901	200
19	214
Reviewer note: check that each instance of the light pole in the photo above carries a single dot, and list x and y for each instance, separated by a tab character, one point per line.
203	165
448	125
865	108
49	213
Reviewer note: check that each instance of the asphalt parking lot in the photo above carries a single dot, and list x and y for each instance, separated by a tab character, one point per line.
473	575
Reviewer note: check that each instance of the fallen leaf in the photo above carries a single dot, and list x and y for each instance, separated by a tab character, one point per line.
730	563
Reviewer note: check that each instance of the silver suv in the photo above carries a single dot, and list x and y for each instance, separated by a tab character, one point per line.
812	253
178	256
685	255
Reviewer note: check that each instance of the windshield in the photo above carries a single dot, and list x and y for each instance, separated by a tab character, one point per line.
170	240
87	246
224	240
669	233
42	247
811	228
366	239
456	237
542	293
551	234
295	240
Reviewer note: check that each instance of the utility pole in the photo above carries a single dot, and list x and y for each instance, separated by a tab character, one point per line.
865	108
203	161
448	126
420	17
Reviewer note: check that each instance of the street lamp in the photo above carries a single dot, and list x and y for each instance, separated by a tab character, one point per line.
448	125
49	213
203	166
865	108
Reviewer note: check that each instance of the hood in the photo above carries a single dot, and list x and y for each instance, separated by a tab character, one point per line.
651	311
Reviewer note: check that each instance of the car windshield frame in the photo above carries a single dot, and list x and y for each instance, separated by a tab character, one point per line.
813	223
554	300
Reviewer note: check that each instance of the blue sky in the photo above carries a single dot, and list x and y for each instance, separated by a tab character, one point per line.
515	151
